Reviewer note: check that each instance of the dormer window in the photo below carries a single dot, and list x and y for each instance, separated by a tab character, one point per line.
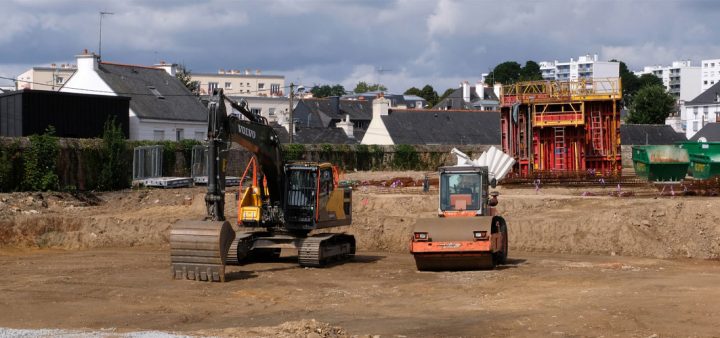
156	92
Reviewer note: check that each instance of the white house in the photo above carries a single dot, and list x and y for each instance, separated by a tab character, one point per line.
681	79
161	108
703	109
710	73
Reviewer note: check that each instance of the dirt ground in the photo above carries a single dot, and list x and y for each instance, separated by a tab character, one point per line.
582	263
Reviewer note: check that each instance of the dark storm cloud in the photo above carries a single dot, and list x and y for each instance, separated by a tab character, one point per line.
416	42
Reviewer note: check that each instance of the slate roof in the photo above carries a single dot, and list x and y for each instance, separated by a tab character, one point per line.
711	132
709	96
323	114
316	135
443	127
459	103
652	134
136	82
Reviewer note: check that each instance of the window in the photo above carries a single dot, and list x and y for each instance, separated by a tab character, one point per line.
275	89
158	135
271	111
705	82
179	134
248	84
212	86
59	80
199	135
712	64
228	85
255	111
155	92
695	125
261	86
705	110
695	110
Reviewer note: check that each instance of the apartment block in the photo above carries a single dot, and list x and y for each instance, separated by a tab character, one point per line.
45	78
241	83
681	78
710	73
585	67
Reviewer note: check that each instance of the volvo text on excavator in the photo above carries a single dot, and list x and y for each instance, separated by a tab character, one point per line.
276	212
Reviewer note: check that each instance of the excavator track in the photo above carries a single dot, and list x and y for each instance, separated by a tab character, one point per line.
239	248
198	249
322	249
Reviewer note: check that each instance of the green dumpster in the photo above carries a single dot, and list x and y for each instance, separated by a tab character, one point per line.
699	148
705	166
661	162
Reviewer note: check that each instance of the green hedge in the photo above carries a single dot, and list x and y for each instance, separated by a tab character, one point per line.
48	163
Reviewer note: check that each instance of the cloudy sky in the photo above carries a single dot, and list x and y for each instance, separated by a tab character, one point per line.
400	43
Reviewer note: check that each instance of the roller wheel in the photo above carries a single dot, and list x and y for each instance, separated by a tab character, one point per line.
500	258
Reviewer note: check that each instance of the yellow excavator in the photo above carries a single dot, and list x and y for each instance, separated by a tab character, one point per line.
276	212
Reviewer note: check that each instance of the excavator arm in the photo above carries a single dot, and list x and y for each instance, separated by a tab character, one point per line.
252	133
199	249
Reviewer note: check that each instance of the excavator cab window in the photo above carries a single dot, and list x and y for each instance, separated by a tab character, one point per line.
302	186
460	191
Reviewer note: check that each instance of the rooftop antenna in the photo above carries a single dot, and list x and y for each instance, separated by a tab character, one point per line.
100	39
380	71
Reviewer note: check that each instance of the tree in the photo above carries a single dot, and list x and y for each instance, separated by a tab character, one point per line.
184	75
649	80
364	87
412	91
630	83
326	90
114	172
651	105
531	72
429	94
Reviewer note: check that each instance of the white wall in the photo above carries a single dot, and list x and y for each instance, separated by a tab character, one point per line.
603	70
690	83
695	122
710	73
86	77
141	129
377	133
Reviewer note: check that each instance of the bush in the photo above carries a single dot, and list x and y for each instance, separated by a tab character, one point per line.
113	155
40	162
294	152
11	167
406	157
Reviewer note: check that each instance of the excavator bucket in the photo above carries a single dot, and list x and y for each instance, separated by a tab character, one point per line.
451	243
198	249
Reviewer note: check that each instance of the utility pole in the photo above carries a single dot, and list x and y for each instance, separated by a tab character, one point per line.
290	110
100	39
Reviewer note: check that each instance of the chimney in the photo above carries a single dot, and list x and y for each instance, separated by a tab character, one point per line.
496	89
87	61
380	107
170	68
335	104
466	91
347	126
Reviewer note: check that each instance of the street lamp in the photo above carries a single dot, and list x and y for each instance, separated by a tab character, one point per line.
100	40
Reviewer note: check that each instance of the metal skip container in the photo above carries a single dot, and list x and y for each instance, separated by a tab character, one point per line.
663	163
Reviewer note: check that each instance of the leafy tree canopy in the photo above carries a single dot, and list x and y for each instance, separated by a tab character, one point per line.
184	75
511	72
412	91
327	90
364	87
651	105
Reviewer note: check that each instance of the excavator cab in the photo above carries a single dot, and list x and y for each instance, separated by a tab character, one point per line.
314	200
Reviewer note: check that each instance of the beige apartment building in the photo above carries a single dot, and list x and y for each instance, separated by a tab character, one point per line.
241	83
45	78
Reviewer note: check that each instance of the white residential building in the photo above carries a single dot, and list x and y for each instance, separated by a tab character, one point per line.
45	78
710	73
701	110
681	79
161	108
585	67
240	83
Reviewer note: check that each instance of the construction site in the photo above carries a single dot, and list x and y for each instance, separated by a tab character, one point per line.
290	248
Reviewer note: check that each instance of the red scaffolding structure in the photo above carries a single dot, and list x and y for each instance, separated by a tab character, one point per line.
562	126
